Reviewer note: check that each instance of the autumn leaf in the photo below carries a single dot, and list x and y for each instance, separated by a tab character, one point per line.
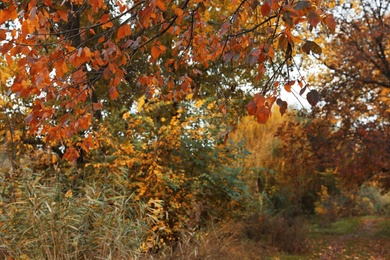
282	105
300	5
224	29
97	106
330	22
63	15
265	9
310	46
160	4
313	97
303	90
263	115
313	19
251	108
179	12
113	93
123	31
288	85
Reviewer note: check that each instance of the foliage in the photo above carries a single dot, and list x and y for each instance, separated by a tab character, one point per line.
355	90
174	158
78	58
155	169
340	202
281	169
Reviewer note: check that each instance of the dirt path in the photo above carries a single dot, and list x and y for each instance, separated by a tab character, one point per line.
364	243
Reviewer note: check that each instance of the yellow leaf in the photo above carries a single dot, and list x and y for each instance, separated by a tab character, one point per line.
69	194
141	102
189	96
126	115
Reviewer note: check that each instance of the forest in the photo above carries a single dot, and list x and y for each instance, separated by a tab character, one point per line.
194	129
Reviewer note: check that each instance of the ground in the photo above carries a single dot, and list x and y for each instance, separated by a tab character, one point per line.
352	238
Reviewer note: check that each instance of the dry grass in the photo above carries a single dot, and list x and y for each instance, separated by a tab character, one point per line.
220	241
41	219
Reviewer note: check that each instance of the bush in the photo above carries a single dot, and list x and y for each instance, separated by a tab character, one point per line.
287	234
367	200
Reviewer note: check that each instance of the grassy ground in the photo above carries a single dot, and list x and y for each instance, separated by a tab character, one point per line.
351	238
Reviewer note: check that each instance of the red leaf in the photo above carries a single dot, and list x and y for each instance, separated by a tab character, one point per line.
251	107
265	9
313	19
259	99
263	115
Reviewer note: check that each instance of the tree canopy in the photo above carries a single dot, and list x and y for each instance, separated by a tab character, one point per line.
76	59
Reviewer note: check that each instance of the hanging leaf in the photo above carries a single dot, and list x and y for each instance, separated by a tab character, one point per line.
313	19
263	115
251	108
288	85
302	5
313	97
330	22
265	9
113	93
311	46
303	90
282	106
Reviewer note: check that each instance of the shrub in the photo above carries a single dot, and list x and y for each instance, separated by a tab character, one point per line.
286	234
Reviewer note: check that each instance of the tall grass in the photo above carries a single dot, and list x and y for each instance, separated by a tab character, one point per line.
42	217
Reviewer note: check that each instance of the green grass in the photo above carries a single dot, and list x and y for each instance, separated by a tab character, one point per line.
345	226
384	229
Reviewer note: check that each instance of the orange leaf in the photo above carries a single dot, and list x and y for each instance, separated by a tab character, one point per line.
123	31
113	93
155	52
71	154
179	12
63	15
104	18
160	4
330	22
259	99
97	106
291	38
288	85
